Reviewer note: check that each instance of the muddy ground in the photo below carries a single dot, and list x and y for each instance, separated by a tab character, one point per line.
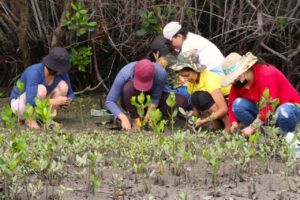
195	185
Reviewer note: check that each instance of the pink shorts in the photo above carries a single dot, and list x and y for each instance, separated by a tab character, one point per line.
18	107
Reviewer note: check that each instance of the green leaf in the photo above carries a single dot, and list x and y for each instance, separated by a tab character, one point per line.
141	32
175	112
266	93
81	31
171	100
141	98
92	24
20	86
161	139
96	181
34	164
73	6
13	164
83	11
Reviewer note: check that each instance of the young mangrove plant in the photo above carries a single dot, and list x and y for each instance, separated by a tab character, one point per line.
44	111
141	102
171	102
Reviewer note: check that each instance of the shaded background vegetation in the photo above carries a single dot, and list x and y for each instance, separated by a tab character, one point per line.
28	28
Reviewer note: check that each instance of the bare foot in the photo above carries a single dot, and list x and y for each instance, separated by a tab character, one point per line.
32	124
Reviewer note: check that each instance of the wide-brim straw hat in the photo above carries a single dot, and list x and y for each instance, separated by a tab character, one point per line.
234	65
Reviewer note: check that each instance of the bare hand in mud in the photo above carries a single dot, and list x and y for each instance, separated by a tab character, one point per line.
248	131
200	122
233	127
67	103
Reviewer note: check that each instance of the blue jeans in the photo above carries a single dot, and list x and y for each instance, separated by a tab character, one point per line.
246	112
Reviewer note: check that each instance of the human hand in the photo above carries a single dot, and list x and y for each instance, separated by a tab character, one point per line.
68	103
200	122
124	122
233	127
248	131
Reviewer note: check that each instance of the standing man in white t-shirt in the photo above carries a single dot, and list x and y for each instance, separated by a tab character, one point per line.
182	40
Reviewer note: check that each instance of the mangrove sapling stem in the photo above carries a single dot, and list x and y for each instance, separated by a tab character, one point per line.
81	112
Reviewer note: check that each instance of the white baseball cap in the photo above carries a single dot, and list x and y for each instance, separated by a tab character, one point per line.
171	29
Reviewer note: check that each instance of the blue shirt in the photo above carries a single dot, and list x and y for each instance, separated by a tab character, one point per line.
32	77
126	74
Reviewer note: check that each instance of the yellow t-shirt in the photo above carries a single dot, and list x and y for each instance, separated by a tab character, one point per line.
208	82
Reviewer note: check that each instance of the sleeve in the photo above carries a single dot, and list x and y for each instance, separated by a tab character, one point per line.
158	85
114	94
31	87
70	91
232	96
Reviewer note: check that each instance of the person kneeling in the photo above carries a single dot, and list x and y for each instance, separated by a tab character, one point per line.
48	79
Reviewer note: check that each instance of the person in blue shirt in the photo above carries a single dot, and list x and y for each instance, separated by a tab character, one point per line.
161	53
134	78
48	79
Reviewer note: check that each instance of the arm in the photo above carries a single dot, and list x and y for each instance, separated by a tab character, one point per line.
66	78
158	85
221	108
232	96
114	94
31	87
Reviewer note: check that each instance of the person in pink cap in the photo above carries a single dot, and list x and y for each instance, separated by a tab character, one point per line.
134	78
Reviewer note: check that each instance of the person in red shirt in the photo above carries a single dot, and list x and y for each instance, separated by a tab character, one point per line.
249	80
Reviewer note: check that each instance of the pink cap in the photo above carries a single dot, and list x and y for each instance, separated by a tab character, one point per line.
143	75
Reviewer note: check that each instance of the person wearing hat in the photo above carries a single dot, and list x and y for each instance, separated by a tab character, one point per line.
134	78
249	80
207	94
161	53
183	41
48	79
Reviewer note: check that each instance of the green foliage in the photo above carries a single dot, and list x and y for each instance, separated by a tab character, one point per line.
79	20
141	102
156	123
8	117
81	57
281	22
149	23
214	154
171	102
181	196
266	100
44	111
29	114
20	86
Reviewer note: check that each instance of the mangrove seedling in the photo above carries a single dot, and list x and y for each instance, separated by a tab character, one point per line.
8	117
141	102
44	110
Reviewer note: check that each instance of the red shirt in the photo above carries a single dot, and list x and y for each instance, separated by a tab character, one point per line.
265	76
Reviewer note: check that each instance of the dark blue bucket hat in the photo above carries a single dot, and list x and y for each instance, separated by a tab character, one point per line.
57	60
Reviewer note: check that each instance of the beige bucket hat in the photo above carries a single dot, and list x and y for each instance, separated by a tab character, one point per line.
234	65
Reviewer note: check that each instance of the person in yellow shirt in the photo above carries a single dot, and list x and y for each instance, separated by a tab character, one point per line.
207	94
